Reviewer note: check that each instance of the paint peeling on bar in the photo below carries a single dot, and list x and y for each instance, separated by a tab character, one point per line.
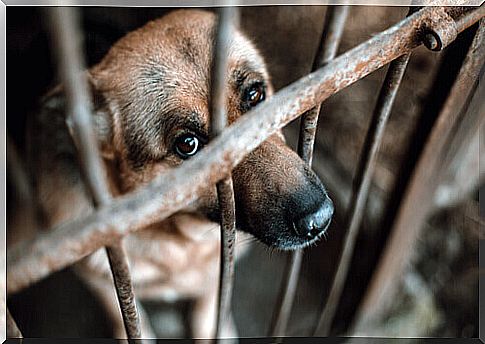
31	261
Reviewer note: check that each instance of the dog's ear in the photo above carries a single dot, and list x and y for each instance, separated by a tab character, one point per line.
102	119
54	103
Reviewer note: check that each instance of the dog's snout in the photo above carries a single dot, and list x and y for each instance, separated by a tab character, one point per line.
312	225
297	209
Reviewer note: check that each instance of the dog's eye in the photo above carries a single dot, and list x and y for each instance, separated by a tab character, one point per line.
186	145
255	94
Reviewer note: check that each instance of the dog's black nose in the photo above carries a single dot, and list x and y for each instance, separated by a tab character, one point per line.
315	223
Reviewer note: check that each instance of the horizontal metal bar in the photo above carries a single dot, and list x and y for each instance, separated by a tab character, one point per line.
331	35
468	18
65	31
65	244
419	194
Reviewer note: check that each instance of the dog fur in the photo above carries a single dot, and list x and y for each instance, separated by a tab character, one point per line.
150	89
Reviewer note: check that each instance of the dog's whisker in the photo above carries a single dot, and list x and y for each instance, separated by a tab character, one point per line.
210	230
250	239
247	241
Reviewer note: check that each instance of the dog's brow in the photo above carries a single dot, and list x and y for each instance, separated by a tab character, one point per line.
246	68
244	73
191	120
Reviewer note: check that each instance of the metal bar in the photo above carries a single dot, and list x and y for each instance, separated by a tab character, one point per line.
13	330
419	195
225	193
331	35
460	168
228	18
66	35
65	244
467	19
361	187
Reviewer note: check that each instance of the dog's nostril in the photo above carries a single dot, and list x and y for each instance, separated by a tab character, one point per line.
314	224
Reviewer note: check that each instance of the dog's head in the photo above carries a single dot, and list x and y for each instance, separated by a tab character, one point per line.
151	96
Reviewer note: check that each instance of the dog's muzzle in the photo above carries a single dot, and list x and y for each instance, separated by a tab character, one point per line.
316	223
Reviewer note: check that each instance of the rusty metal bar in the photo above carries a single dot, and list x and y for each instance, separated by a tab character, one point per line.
228	18
13	330
67	38
419	195
362	184
468	18
65	244
225	194
335	19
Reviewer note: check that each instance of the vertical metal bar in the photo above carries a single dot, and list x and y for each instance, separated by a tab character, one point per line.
13	330
419	195
332	33
225	194
460	172
362	185
335	19
228	19
67	38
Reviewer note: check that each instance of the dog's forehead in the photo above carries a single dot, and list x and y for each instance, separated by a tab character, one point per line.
173	53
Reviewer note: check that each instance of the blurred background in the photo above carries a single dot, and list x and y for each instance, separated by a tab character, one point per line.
438	294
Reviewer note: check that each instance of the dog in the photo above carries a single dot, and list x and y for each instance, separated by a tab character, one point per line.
151	113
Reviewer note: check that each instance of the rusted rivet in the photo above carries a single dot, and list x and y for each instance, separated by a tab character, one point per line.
440	31
432	41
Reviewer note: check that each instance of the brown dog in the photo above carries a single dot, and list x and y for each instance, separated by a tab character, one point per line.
151	113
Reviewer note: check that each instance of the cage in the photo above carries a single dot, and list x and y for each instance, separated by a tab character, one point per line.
396	95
